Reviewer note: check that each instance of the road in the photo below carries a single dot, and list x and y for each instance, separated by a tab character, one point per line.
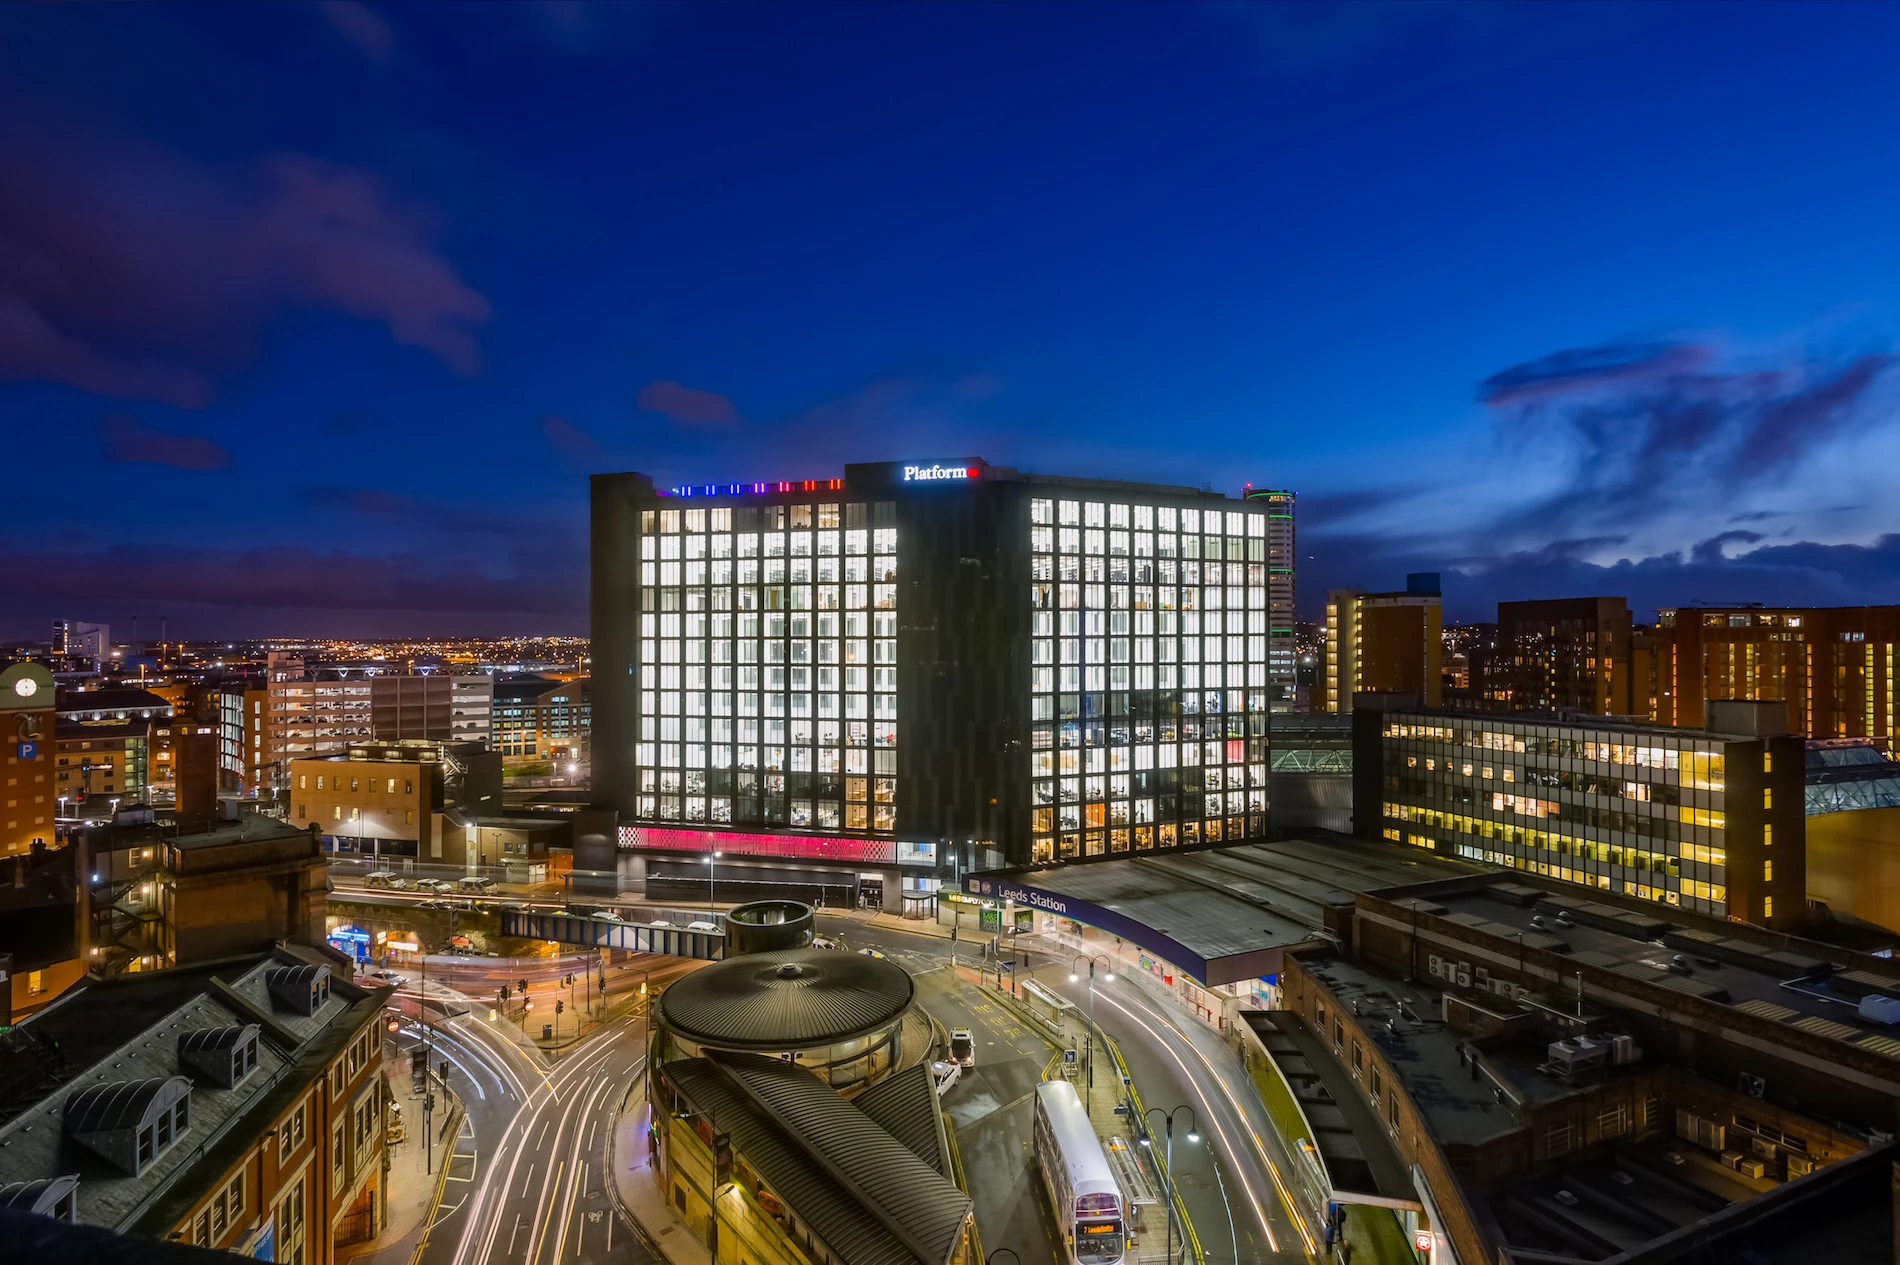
525	1184
1228	1182
527	1189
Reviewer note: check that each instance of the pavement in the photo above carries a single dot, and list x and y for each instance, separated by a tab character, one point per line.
637	1188
418	1171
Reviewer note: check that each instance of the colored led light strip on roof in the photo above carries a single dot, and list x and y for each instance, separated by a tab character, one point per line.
740	489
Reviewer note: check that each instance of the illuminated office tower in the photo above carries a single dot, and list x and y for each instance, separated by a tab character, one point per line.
869	668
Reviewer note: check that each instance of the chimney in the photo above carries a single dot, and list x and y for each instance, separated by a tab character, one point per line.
195	766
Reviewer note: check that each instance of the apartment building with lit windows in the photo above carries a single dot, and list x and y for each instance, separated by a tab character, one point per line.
1562	655
1385	643
866	669
1831	667
1709	821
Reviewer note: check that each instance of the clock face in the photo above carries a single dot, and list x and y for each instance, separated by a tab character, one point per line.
26	687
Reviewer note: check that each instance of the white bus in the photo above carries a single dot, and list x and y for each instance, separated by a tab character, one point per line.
1075	1172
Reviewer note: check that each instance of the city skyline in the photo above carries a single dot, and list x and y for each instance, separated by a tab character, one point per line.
331	341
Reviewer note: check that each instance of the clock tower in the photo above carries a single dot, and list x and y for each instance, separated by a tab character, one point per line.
27	803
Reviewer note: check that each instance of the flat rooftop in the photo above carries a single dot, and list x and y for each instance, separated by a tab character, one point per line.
1222	914
1754	974
1402	1018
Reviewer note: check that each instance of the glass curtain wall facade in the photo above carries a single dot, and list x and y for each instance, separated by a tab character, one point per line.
768	666
943	666
1150	635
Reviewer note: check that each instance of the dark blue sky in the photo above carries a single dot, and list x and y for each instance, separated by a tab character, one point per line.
313	318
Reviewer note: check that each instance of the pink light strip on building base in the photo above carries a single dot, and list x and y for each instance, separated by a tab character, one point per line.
804	847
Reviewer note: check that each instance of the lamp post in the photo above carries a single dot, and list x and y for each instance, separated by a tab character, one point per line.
1108	975
1167	1172
710	858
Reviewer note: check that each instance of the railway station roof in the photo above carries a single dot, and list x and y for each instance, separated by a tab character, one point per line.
1222	914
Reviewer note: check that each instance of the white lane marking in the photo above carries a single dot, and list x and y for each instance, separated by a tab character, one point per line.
1213	1119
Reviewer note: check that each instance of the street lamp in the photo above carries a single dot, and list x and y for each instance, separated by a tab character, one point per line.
1108	975
1167	1173
710	901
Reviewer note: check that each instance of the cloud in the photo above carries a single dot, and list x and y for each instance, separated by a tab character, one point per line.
1638	432
125	441
361	26
686	404
1799	573
1653	469
302	587
1608	365
569	439
454	518
131	271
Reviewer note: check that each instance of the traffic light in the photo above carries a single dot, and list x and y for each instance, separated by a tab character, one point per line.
524	986
559	1006
504	993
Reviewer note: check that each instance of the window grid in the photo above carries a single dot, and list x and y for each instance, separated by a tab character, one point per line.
1149	676
1644	816
768	666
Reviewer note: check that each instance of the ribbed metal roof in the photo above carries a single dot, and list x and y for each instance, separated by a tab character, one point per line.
37	1196
791	999
122	1104
207	1039
866	1194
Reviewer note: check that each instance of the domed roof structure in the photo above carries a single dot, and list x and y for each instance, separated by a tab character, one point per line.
790	999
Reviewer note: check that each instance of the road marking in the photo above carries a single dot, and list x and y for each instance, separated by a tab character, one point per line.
544	1135
541	1229
1259	1205
524	1184
512	1233
590	1133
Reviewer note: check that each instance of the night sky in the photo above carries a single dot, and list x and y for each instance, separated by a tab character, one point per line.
314	318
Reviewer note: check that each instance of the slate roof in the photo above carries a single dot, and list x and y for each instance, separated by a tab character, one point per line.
157	1009
864	1192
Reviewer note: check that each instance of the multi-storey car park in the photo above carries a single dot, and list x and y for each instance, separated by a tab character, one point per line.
866	669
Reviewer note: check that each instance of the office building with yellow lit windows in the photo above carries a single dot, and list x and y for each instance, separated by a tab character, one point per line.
1711	821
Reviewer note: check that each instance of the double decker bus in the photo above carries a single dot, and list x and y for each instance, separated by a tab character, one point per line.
1075	1172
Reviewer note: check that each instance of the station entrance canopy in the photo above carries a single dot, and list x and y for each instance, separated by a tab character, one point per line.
1221	914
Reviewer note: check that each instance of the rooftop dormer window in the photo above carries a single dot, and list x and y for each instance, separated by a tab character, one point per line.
300	989
224	1056
130	1123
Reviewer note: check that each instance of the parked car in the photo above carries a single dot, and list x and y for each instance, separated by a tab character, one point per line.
660	922
389	977
478	885
945	1074
379	878
821	942
608	915
869	953
701	926
963	1047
